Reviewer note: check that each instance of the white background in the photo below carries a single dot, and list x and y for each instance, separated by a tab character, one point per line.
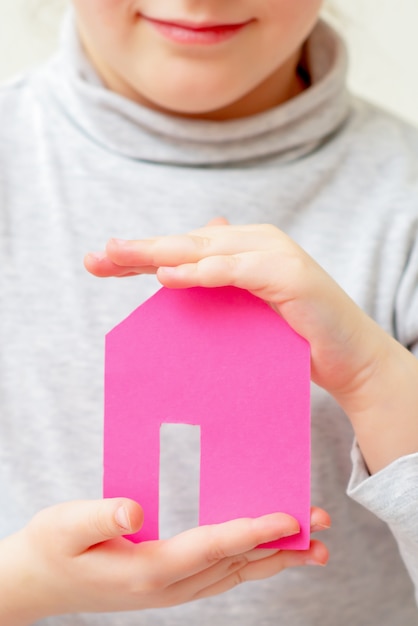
382	37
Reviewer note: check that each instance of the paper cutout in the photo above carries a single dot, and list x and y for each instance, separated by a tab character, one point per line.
223	359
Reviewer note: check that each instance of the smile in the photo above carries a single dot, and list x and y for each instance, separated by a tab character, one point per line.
197	34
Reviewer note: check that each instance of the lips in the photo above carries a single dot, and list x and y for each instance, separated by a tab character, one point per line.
191	32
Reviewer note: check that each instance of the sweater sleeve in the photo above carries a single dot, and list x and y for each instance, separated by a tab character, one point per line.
392	493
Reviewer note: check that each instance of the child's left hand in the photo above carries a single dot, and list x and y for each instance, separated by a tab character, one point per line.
352	357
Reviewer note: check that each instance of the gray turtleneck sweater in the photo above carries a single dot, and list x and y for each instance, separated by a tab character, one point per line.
78	165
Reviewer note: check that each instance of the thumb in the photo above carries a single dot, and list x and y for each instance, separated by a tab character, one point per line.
82	524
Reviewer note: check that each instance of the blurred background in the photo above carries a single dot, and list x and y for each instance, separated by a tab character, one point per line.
381	35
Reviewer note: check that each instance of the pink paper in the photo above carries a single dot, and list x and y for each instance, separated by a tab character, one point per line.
222	359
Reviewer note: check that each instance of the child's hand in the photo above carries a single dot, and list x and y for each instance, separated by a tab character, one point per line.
264	261
72	558
374	379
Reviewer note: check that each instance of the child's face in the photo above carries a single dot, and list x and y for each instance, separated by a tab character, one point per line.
242	61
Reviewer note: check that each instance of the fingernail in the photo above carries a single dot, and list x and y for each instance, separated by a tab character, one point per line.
119	242
168	270
291	533
311	562
316	527
122	518
97	256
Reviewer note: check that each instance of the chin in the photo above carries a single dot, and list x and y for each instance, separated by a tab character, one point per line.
198	103
197	93
191	109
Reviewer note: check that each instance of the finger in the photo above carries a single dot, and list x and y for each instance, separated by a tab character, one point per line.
317	554
214	577
186	589
320	520
99	264
170	250
265	229
218	221
246	270
267	274
200	548
79	525
176	250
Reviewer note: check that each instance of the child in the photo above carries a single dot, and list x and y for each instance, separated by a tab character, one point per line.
156	117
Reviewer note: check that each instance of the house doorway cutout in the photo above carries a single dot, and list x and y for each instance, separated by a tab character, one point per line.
179	486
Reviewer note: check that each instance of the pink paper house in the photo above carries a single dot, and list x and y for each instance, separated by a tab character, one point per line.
222	359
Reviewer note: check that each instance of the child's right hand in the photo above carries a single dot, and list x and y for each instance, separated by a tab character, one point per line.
72	558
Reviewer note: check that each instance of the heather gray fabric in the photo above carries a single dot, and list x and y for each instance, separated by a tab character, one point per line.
78	165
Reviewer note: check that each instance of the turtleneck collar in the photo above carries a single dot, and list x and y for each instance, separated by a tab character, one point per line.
122	126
